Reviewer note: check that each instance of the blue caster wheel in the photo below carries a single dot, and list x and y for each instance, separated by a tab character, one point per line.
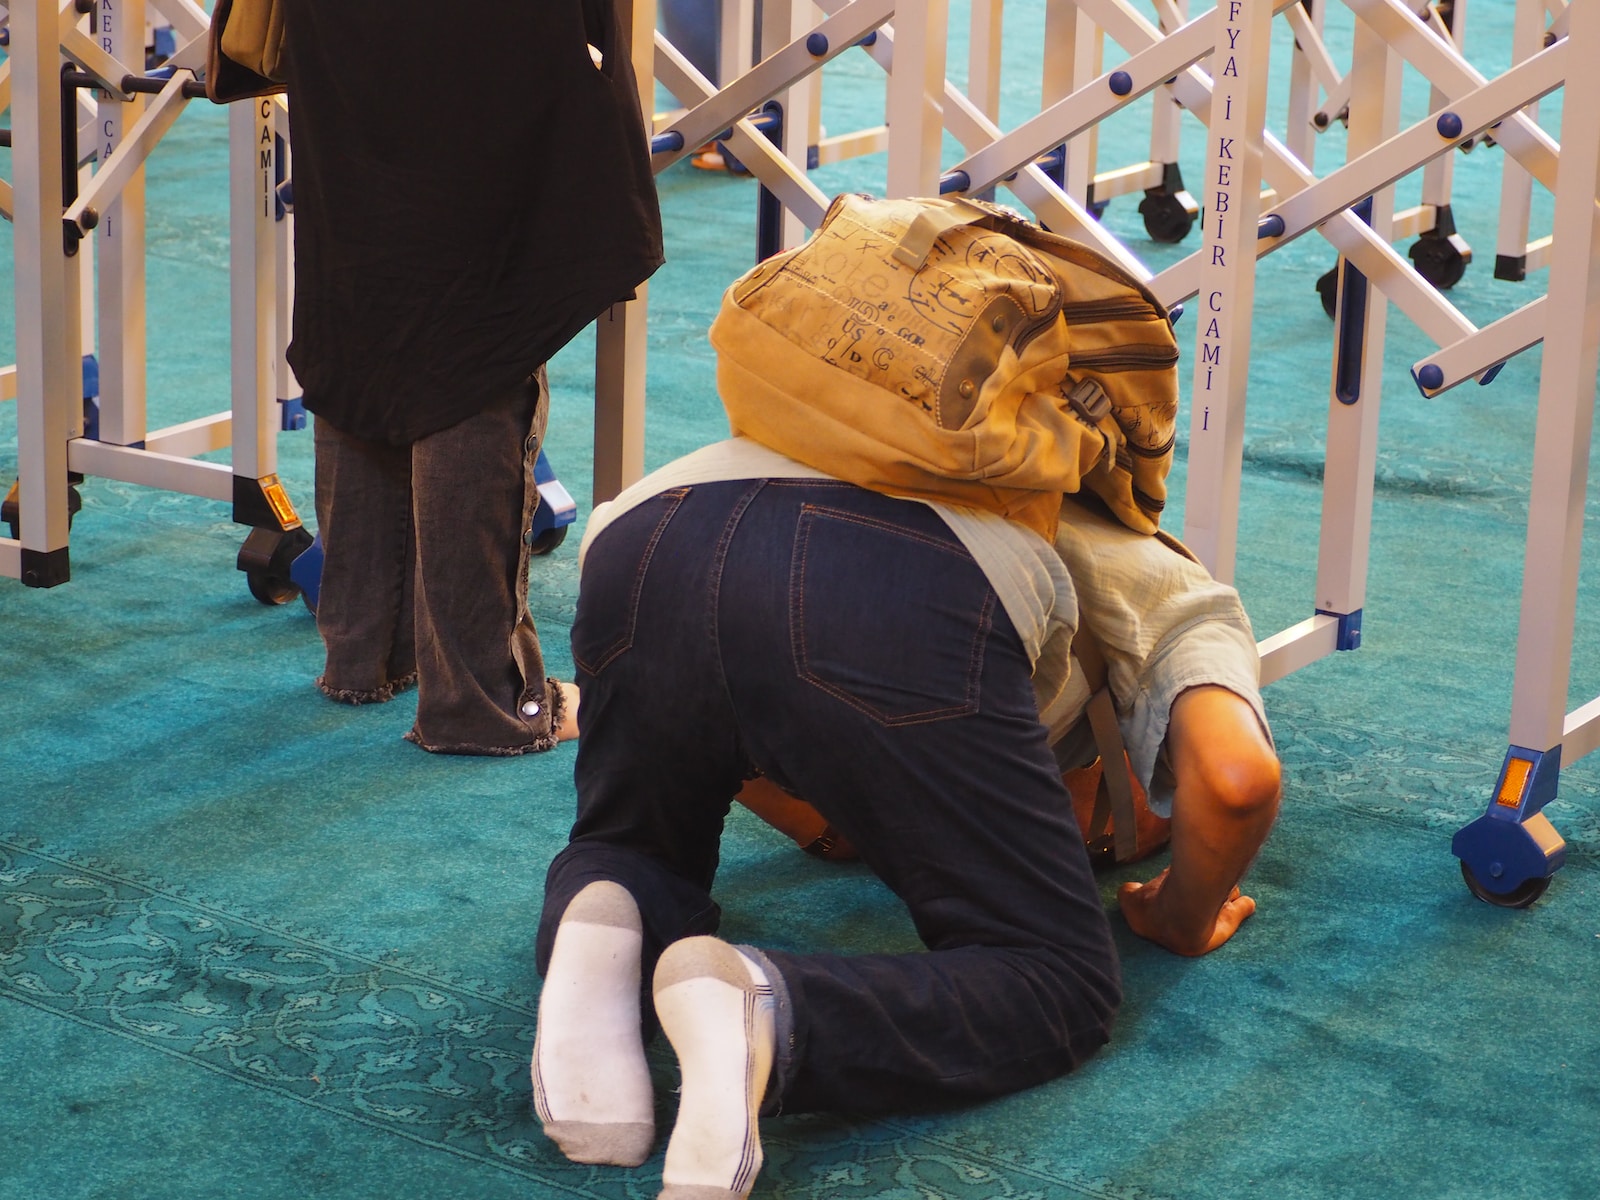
1521	896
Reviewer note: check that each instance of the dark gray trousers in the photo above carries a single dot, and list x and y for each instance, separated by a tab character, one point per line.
425	577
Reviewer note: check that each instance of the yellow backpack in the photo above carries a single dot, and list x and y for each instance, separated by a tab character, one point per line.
950	350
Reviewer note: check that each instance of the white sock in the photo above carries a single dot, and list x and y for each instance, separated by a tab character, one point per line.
591	1087
716	1009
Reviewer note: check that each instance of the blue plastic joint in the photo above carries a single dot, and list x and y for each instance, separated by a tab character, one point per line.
1270	227
1449	125
1121	83
1430	378
816	44
768	121
1488	376
293	416
667	143
1053	163
954	181
1349	637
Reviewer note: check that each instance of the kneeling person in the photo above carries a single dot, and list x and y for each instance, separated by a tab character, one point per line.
848	646
882	642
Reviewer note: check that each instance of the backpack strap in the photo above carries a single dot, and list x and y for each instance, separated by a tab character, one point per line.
917	242
1113	803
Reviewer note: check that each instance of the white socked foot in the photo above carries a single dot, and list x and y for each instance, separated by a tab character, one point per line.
591	1086
716	1008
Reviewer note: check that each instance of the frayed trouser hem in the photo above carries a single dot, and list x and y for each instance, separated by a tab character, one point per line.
538	745
556	705
377	695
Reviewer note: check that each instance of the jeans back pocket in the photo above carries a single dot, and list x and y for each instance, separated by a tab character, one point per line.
614	572
890	620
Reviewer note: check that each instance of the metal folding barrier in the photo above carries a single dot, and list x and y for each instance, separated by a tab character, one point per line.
1259	193
81	94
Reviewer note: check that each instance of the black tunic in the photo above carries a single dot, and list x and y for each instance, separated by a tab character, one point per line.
470	192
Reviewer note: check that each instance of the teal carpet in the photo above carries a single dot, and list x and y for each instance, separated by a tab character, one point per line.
254	945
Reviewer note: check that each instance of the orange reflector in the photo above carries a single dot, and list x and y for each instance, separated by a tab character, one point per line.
1516	780
282	508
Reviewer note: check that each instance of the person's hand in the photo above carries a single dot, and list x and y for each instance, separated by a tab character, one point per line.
1147	915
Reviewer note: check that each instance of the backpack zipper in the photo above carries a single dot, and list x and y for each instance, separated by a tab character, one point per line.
1160	451
1044	322
1108	310
1125	358
1146	501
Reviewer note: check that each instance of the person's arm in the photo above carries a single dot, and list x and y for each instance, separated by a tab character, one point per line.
1228	787
793	817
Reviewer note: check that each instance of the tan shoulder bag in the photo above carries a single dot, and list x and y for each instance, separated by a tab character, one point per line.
244	55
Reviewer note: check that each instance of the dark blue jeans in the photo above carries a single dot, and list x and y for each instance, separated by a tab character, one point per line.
845	644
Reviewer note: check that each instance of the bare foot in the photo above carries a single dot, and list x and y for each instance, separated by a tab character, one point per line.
1147	916
568	729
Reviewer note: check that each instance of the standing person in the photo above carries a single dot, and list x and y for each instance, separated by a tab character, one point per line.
458	218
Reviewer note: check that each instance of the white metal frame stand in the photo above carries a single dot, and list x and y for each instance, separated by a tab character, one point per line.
1508	854
51	57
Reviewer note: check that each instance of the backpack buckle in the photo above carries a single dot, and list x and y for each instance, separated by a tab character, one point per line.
1089	400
